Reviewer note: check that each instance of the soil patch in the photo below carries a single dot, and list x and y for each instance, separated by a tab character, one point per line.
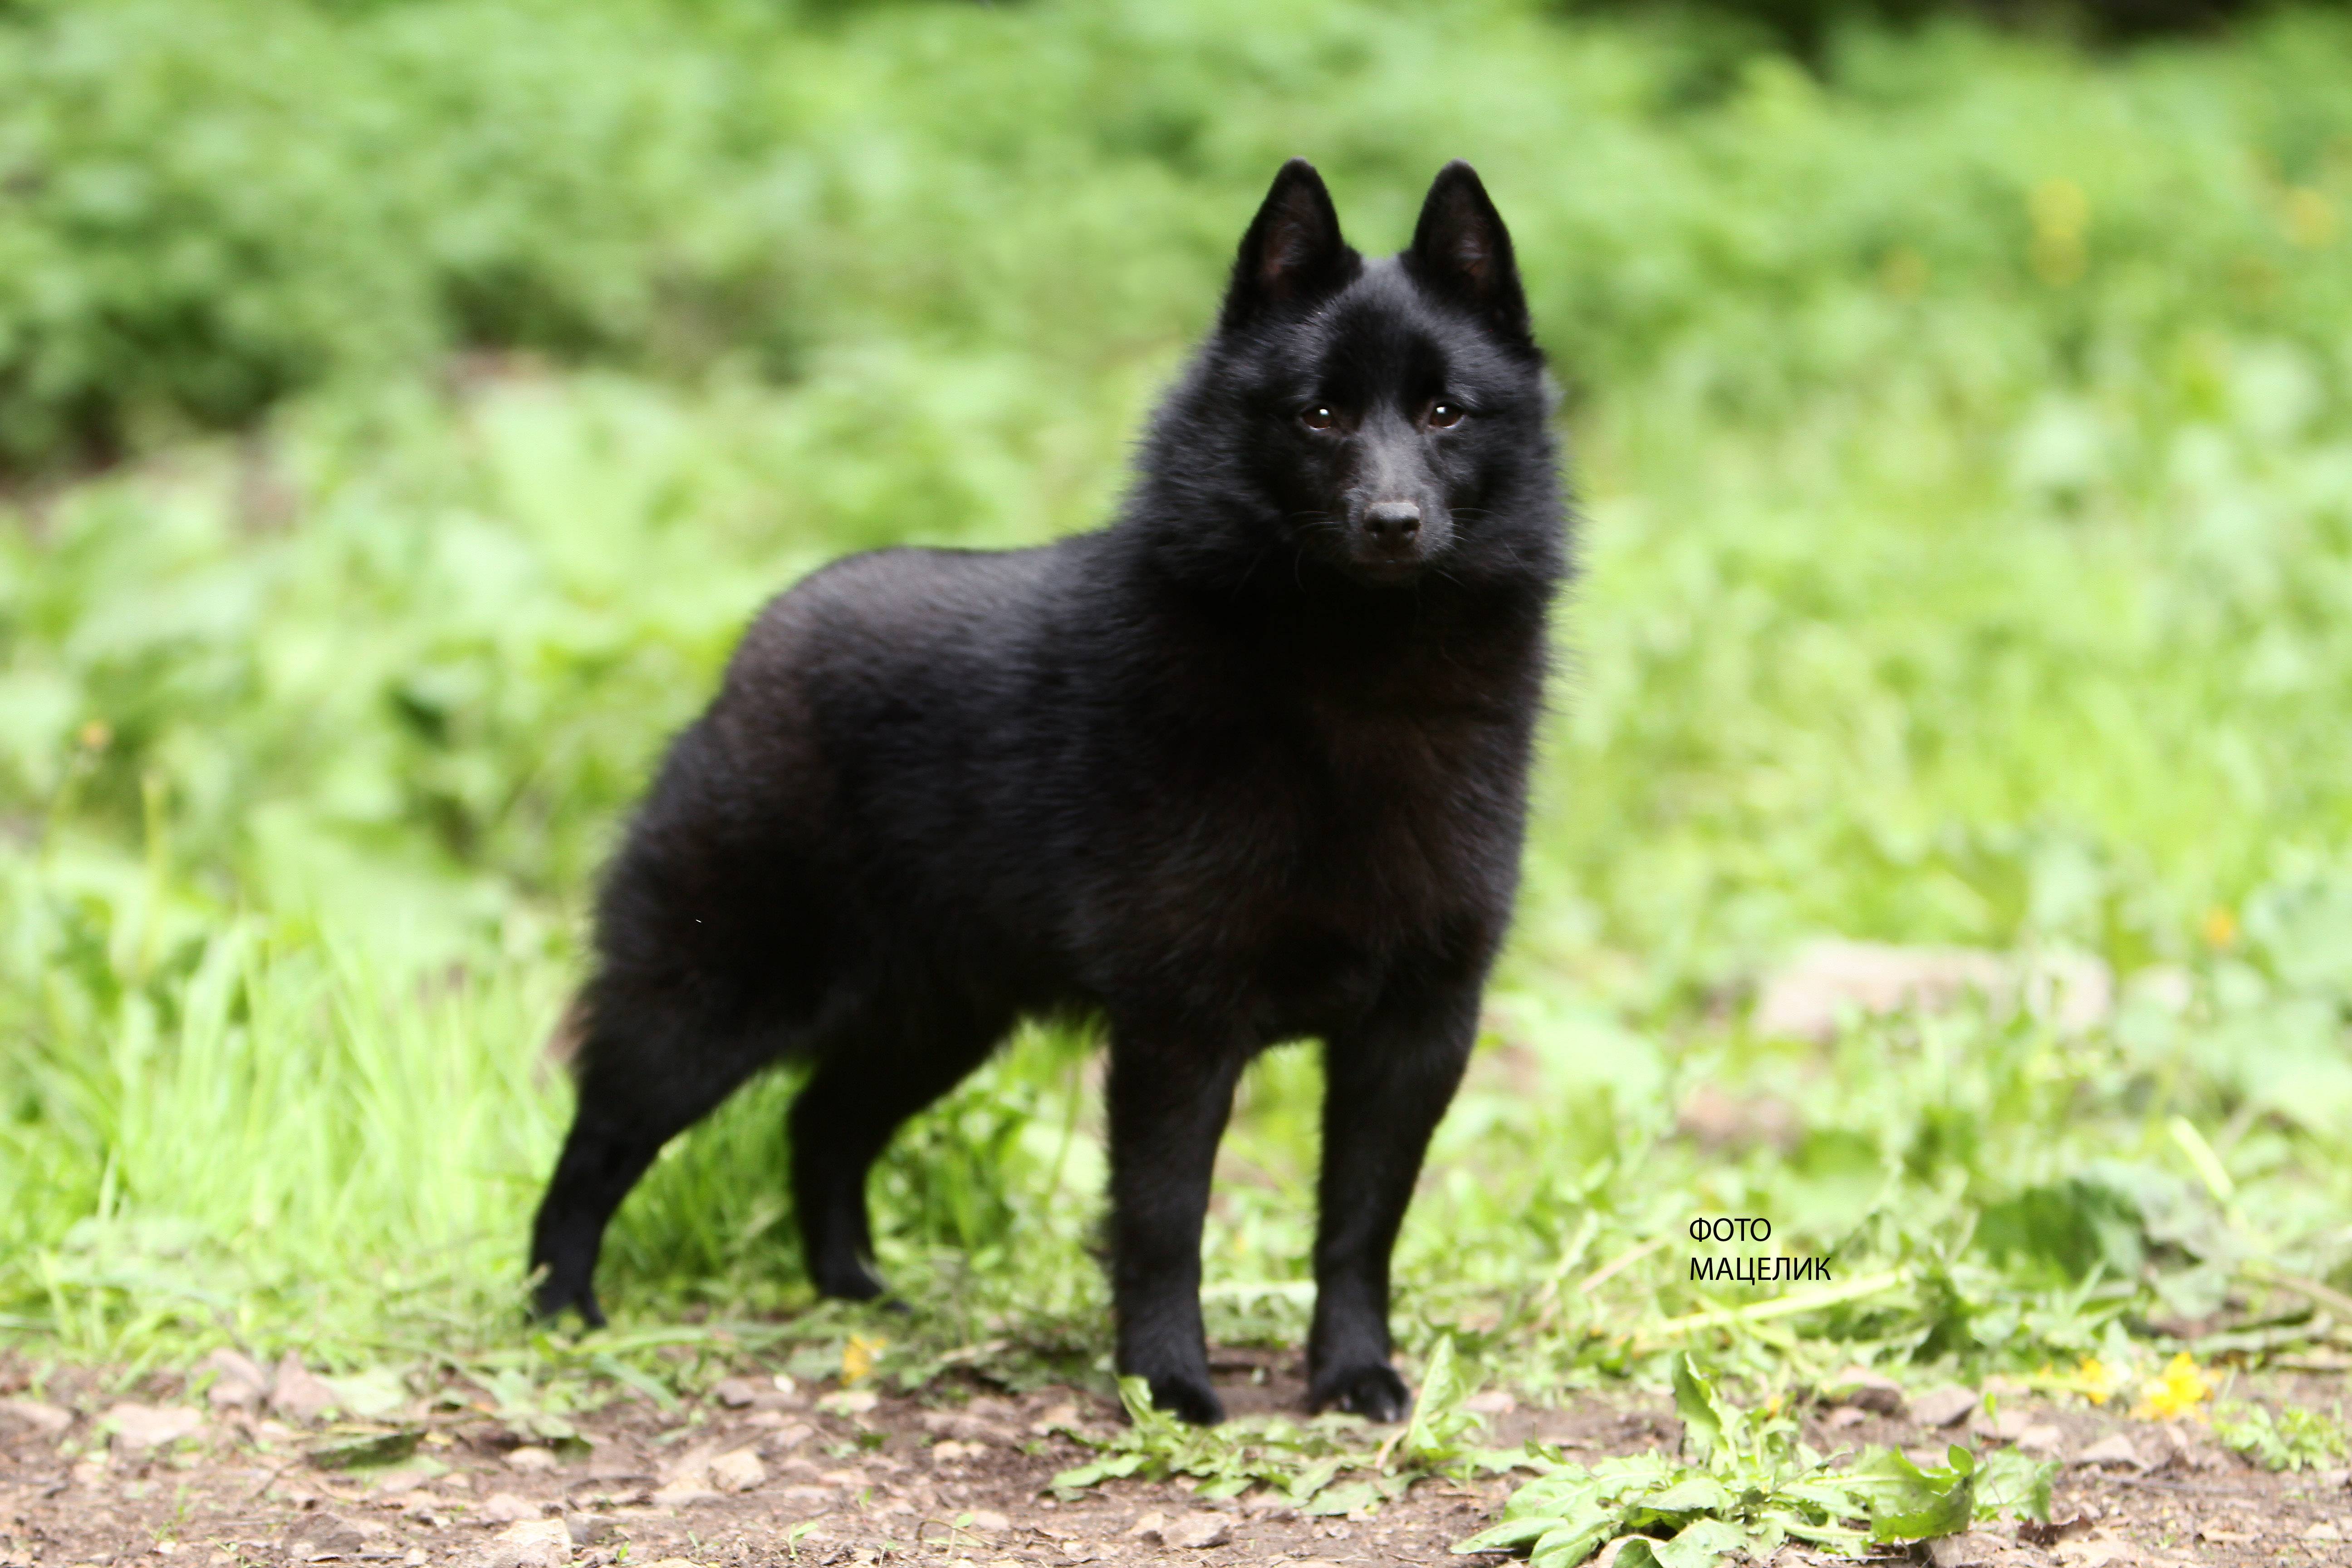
92	1473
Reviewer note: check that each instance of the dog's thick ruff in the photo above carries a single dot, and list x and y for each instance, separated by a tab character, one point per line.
1248	766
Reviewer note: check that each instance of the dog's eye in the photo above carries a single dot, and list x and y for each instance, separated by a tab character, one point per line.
1318	418
1444	415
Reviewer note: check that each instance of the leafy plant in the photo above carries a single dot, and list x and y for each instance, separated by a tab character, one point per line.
2296	1438
1298	1460
534	1410
1303	1463
1746	1484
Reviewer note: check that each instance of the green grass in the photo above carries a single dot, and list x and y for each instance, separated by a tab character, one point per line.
1965	441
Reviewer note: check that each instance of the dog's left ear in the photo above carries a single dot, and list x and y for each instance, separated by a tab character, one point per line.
1461	252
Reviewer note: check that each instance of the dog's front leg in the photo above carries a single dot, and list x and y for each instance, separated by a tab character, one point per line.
1386	1083
1169	1101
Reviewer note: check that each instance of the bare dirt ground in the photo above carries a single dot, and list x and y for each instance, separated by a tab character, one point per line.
95	1473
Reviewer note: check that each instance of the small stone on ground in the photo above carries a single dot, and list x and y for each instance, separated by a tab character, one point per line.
1943	1406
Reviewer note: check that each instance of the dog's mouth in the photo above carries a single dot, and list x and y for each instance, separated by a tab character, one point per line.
1388	571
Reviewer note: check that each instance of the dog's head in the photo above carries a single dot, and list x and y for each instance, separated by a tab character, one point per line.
1381	421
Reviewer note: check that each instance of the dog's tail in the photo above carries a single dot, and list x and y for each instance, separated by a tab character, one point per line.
561	1050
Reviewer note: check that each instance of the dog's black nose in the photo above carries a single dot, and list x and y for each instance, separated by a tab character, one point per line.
1390	523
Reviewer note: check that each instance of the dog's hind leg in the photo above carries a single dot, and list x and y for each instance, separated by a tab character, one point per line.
872	1074
1387	1082
636	1093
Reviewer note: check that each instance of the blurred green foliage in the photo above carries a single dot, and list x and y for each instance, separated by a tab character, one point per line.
213	203
1965	432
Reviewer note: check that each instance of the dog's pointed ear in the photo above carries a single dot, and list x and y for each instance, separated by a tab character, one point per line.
1460	251
1293	252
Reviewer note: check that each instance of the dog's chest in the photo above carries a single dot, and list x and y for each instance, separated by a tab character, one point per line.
1335	855
1292	829
1400	818
1329	828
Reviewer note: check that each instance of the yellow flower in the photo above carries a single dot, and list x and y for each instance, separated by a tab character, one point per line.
2095	1380
2182	1388
858	1356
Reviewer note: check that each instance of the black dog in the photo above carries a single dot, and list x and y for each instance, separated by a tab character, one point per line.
1249	766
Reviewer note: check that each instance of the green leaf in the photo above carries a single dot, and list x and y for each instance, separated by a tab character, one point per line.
1702	1543
1841	1537
1312	1479
1909	1503
370	1393
1566	1545
345	1451
1345	1498
1433	1435
1112	1468
1692	1494
2013	1483
1509	1534
653	1388
1694	1401
1135	1393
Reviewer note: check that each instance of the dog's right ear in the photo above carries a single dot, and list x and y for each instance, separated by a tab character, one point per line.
1293	252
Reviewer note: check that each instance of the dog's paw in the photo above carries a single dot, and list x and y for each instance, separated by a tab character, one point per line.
849	1282
1188	1398
1375	1393
551	1301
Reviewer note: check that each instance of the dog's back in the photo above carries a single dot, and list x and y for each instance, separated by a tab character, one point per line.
1248	766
